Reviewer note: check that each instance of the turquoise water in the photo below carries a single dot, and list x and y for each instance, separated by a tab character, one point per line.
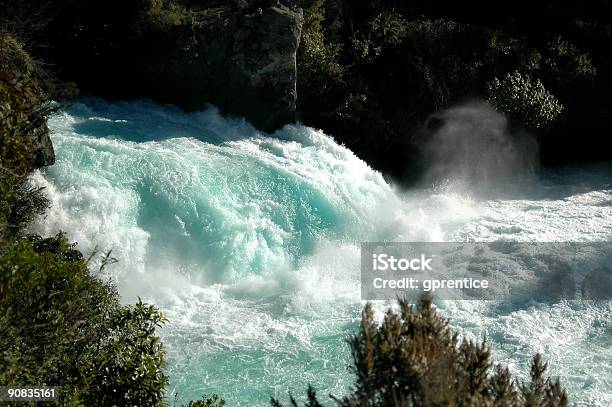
250	245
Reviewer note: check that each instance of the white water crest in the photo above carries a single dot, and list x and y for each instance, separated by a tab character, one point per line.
249	243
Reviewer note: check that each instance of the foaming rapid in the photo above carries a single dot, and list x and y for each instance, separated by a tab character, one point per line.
250	245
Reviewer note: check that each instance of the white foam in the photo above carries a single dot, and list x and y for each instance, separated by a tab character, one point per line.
250	244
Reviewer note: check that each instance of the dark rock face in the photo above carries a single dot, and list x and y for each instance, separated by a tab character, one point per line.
262	84
241	59
42	147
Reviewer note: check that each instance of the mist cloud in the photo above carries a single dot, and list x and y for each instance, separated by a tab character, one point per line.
472	145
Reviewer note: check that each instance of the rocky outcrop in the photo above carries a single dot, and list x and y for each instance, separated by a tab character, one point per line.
245	63
41	147
262	62
239	58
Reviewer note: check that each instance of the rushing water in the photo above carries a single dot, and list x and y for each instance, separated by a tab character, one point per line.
250	245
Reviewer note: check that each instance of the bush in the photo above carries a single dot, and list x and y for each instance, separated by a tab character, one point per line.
565	63
20	204
23	110
443	61
320	75
61	326
382	67
23	130
524	99
413	358
213	401
165	14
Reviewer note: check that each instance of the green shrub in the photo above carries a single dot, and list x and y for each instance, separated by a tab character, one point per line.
320	74
370	73
20	204
564	62
23	114
61	326
524	99
413	358
506	54
205	401
383	31
23	110
441	60
166	13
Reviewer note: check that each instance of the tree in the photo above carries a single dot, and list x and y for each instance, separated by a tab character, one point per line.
413	358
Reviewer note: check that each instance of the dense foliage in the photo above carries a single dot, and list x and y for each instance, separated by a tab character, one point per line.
525	99
370	73
213	401
62	326
23	113
413	358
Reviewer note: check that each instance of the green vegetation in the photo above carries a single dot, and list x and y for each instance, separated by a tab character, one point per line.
371	73
20	203
213	401
23	108
23	113
62	326
413	358
525	100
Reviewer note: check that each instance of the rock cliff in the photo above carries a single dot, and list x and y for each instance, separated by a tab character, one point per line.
239	57
243	63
